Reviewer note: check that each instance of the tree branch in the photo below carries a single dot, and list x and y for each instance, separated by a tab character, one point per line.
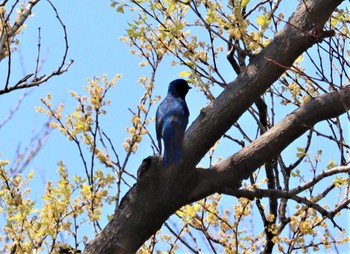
229	173
160	192
301	32
15	27
293	194
25	82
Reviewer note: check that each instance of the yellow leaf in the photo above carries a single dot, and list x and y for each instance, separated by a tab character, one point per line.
31	174
299	59
187	33
244	3
179	213
261	20
120	9
86	190
184	74
75	178
143	64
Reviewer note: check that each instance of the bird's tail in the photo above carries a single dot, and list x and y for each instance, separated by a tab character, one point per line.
172	155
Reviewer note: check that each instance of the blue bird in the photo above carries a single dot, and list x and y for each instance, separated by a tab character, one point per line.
171	121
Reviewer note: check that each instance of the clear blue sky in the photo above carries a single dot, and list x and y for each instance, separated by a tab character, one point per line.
93	32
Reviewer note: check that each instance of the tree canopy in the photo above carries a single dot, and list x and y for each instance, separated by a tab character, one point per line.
266	160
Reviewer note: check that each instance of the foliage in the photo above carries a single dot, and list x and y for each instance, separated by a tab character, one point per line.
204	39
66	206
194	34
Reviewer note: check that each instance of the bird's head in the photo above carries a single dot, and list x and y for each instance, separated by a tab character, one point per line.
179	88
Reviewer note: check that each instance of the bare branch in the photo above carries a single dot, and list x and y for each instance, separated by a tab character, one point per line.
14	109
38	81
25	82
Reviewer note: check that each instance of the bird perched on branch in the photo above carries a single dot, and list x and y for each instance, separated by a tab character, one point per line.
171	121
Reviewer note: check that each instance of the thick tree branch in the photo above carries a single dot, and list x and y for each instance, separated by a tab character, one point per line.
227	174
160	192
302	31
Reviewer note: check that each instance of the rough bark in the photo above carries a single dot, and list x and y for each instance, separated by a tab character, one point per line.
160	192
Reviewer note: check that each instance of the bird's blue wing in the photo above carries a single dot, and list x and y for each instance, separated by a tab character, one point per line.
161	112
171	121
174	125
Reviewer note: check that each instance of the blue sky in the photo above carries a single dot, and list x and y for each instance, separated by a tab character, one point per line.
93	32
